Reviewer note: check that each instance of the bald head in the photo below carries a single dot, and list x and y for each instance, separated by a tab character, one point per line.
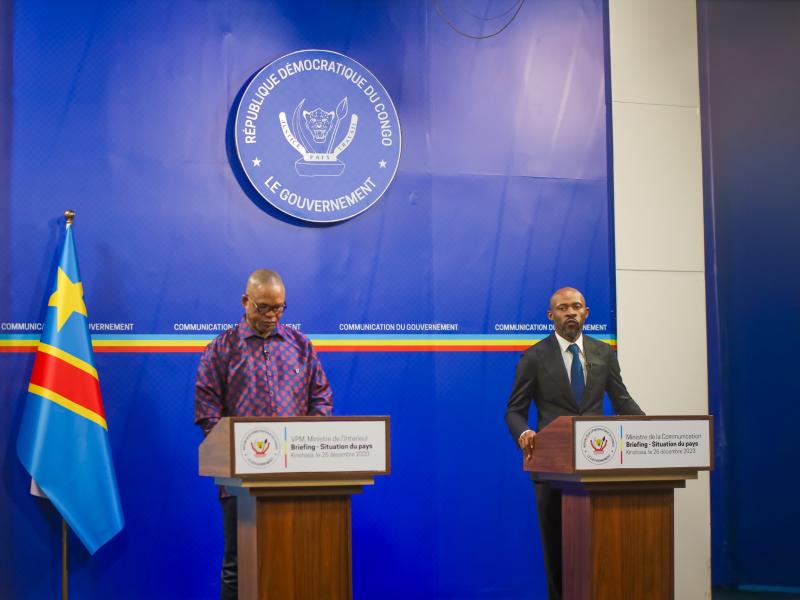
263	277
565	291
568	311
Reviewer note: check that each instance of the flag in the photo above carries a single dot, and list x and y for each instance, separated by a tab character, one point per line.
63	438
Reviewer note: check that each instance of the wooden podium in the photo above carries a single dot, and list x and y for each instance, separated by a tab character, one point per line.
618	476
293	478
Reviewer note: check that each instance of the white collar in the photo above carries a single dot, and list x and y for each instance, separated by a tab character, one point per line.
564	343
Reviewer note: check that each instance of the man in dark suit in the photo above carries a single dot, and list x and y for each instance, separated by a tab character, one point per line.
565	374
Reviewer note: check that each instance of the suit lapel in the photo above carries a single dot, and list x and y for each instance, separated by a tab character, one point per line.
554	365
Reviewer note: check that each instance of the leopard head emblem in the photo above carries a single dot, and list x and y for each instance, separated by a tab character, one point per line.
318	122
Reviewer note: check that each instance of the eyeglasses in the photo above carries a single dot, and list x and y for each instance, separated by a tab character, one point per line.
263	309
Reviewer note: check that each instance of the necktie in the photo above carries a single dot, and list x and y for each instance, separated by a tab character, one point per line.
576	374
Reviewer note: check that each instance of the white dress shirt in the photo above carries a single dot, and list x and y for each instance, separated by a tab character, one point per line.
567	355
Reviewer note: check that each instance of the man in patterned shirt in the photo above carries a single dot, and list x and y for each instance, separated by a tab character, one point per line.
258	368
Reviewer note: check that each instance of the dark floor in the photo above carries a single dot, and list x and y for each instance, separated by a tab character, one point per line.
739	595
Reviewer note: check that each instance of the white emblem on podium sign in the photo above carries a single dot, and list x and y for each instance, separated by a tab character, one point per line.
260	448
599	445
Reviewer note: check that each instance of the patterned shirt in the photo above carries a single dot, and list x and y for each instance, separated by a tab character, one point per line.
242	374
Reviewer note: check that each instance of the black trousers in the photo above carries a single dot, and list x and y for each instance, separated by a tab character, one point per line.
230	569
548	508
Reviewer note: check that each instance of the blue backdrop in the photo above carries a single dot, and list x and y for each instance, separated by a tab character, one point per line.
750	101
123	112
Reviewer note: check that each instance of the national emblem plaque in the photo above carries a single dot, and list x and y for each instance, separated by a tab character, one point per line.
318	136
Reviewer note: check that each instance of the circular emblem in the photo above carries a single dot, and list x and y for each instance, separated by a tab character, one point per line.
260	448
318	136
599	445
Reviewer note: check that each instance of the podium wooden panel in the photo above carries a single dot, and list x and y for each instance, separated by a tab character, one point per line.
617	524
293	529
295	546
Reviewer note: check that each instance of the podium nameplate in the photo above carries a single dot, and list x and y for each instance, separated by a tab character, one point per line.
662	443
310	447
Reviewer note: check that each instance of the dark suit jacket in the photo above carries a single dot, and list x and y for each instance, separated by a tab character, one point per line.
542	378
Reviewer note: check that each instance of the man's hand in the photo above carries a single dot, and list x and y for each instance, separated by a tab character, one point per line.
527	443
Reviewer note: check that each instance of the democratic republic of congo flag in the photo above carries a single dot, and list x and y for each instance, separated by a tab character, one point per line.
63	439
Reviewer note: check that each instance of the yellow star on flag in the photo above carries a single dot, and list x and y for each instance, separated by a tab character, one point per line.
68	298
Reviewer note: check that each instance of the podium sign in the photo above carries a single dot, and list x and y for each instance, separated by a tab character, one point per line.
643	443
310	446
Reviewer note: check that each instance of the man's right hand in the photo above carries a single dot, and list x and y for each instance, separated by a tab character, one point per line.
527	443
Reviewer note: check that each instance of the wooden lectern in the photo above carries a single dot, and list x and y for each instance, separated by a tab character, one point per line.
293	478
618	476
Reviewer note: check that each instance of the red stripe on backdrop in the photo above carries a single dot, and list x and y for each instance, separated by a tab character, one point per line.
428	348
66	380
99	349
318	348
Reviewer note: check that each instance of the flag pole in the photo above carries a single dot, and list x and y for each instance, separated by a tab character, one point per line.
64	572
69	215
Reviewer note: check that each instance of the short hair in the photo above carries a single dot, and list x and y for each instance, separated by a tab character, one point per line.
264	277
